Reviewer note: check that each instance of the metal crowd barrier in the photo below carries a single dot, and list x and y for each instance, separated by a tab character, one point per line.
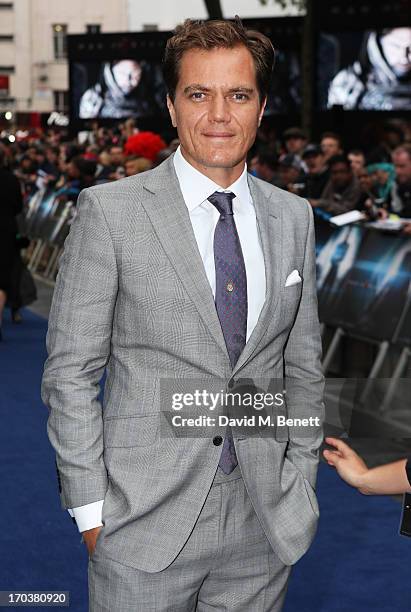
364	294
46	222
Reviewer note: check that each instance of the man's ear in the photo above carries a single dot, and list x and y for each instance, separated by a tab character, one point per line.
262	109
172	111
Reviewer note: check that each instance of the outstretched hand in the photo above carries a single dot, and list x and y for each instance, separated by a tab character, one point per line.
346	461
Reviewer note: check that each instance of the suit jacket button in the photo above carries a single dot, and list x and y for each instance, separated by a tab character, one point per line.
217	440
231	383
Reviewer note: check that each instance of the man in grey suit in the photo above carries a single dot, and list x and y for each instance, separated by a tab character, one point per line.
192	271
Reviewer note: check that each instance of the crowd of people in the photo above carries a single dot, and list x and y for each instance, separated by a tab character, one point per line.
334	180
337	180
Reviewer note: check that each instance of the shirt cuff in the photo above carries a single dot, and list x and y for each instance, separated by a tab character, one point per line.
88	516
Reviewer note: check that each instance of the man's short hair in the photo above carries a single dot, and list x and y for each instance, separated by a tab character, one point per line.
218	34
356	152
86	167
332	135
339	159
290	161
312	150
266	157
405	148
294	132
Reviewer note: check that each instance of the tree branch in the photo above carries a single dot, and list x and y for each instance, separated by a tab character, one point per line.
214	9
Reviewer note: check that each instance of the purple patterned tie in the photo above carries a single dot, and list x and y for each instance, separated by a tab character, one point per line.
230	297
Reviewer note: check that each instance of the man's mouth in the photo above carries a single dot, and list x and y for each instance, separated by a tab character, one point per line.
218	134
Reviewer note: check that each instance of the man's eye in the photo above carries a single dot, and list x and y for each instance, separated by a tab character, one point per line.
240	96
197	95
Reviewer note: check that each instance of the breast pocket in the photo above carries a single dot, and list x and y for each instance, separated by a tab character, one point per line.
129	432
291	297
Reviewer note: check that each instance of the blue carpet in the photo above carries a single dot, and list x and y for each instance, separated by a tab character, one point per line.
40	546
357	563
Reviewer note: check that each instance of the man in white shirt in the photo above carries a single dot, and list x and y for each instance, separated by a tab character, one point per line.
193	270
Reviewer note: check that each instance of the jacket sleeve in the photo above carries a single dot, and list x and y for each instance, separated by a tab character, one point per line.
78	346
303	371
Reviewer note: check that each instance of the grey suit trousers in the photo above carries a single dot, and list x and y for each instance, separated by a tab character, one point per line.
226	565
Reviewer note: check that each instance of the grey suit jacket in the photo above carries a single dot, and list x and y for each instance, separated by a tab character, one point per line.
132	297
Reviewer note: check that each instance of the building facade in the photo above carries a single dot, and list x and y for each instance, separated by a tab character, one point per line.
33	64
166	14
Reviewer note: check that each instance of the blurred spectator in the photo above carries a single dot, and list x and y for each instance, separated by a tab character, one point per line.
342	192
145	144
51	165
265	166
290	174
331	145
357	161
11	206
80	174
401	190
129	128
111	165
117	156
369	201
295	141
318	173
163	155
392	136
135	165
383	178
104	167
27	174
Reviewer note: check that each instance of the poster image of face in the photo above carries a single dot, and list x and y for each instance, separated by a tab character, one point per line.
365	70
118	89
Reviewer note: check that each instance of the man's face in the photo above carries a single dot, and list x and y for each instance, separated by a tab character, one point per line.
52	157
72	171
127	74
295	145
357	162
117	157
396	46
330	147
366	180
288	174
402	163
264	171
130	167
341	175
314	163
216	109
32	153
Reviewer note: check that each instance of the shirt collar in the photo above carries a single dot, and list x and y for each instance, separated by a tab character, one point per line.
196	187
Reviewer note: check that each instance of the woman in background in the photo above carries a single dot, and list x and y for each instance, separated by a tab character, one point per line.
11	204
390	479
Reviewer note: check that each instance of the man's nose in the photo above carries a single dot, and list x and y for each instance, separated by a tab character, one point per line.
219	109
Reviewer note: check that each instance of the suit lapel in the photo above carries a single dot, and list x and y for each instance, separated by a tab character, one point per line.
165	206
269	222
168	213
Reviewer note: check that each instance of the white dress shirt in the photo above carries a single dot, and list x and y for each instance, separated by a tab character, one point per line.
196	188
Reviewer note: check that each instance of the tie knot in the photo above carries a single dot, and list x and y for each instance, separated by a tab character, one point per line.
223	201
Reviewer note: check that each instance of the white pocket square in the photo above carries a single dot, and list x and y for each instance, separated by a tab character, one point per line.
293	278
